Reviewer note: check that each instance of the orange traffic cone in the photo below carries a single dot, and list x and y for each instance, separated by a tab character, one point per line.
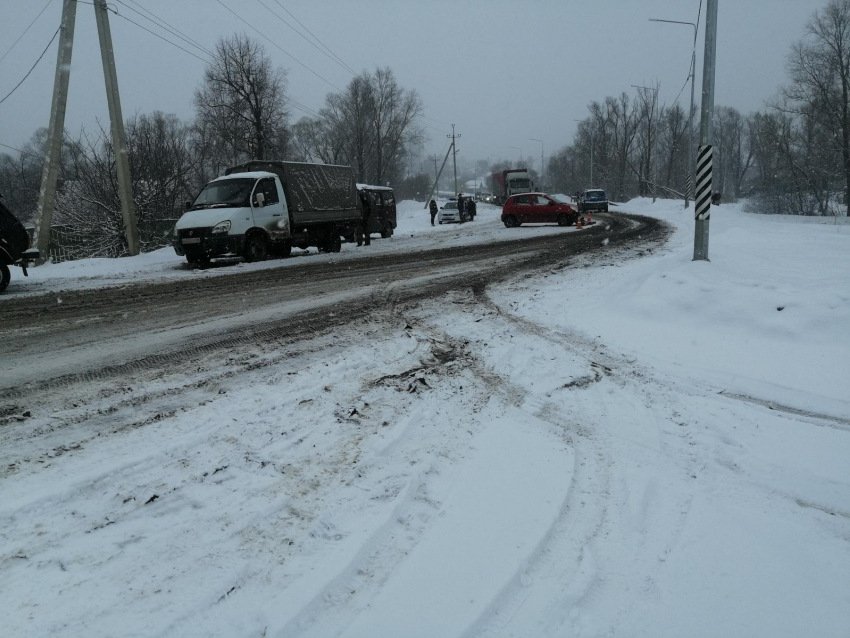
579	223
588	219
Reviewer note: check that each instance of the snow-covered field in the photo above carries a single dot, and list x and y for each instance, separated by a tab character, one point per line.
414	232
647	447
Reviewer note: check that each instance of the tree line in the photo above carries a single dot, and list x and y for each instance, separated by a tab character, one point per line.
243	111
792	157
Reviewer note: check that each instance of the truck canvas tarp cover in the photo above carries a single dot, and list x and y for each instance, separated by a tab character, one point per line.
314	192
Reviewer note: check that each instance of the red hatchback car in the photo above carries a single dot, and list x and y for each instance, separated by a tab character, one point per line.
537	208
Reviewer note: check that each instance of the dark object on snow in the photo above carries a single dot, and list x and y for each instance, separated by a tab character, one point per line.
14	246
434	209
471	207
715	198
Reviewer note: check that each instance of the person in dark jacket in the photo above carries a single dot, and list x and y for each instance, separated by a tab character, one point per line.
461	203
363	229
471	208
433	207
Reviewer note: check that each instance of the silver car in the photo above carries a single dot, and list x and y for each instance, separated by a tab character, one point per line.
449	213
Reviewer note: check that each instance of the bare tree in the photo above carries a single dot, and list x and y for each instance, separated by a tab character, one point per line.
371	125
242	99
819	66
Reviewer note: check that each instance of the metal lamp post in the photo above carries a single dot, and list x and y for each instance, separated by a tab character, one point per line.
591	153
691	113
534	139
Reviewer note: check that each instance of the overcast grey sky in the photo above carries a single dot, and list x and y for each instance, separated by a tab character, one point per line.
502	71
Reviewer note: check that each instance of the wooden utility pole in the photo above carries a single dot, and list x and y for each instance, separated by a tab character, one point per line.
119	140
56	129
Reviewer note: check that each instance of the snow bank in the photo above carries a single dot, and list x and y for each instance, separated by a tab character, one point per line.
768	315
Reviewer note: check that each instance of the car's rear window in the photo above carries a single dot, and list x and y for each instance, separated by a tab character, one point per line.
596	193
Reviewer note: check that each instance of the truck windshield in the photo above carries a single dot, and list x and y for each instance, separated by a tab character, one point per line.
225	193
519	183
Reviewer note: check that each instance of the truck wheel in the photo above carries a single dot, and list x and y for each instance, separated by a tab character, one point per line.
255	248
386	232
605	209
511	222
5	276
563	220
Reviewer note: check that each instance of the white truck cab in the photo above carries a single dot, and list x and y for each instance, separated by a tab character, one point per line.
221	219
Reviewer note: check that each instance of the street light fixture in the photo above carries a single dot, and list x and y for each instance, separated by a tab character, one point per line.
591	153
691	113
534	139
654	139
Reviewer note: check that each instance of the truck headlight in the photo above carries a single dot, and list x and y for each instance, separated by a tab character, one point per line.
221	227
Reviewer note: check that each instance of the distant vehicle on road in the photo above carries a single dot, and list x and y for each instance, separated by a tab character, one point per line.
593	199
510	182
383	219
14	246
449	213
264	208
537	208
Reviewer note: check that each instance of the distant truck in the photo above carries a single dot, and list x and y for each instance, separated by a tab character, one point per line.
510	182
264	208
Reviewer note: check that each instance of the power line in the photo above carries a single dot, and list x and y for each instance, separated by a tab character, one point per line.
162	24
26	30
58	29
22	152
153	33
433	120
332	59
306	109
315	37
277	46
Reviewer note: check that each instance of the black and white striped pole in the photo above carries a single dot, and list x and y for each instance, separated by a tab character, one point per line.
702	201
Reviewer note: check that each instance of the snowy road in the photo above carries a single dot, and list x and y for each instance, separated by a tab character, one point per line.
511	453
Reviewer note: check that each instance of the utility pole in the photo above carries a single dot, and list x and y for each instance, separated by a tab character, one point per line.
702	202
690	183
56	128
592	134
454	154
55	131
437	180
119	140
534	139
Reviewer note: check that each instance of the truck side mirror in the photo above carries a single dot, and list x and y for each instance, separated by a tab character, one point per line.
187	205
261	199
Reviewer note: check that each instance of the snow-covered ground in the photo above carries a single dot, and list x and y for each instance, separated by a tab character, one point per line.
414	232
613	448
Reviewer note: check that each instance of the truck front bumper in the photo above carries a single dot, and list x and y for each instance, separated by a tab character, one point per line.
199	242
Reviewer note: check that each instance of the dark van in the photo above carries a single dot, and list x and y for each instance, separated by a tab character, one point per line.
381	201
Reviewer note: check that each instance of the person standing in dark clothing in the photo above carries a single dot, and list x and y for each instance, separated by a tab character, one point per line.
460	206
471	208
367	215
433	207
